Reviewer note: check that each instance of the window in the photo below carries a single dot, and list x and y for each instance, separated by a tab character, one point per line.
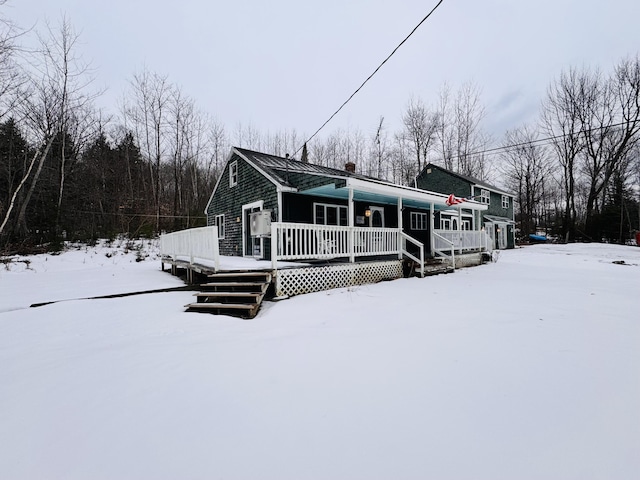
233	174
485	196
505	201
219	222
445	223
325	214
418	221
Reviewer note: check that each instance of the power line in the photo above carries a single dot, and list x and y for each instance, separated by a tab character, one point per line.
372	74
542	141
149	215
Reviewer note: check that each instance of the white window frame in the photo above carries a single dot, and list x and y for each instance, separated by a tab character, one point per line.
485	196
505	201
218	221
233	173
445	223
419	221
330	205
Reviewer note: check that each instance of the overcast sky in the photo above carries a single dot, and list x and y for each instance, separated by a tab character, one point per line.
287	64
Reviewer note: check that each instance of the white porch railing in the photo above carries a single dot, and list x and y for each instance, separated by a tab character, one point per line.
405	251
303	241
191	244
441	244
462	240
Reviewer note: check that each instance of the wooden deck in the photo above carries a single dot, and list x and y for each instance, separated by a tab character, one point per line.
240	291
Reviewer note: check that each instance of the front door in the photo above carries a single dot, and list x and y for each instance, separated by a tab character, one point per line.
502	236
376	219
252	246
490	228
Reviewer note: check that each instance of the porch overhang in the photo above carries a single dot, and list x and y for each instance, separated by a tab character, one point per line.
497	219
383	193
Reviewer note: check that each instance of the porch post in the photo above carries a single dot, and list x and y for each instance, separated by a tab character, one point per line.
460	228
400	228
432	225
274	247
352	255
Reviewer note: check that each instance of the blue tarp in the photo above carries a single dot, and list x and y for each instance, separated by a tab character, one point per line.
537	238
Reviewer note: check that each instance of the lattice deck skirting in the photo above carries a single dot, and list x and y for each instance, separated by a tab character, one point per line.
468	260
296	281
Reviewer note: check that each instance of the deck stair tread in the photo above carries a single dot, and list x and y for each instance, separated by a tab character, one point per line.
222	306
228	294
240	274
232	293
432	266
232	284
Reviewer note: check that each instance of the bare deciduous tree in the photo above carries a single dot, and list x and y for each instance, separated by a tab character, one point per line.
146	112
561	112
611	129
420	125
526	168
460	137
68	79
11	76
379	153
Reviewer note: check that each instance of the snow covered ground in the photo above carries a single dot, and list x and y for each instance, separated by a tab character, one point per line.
527	368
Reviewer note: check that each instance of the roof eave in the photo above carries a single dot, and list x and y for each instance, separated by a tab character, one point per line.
410	193
280	187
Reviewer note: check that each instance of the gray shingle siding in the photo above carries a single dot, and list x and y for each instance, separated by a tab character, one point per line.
252	186
442	182
495	207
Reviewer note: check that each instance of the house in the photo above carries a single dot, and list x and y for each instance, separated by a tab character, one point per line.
305	193
497	220
333	228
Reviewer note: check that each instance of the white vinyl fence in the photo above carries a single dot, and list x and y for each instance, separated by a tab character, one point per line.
192	244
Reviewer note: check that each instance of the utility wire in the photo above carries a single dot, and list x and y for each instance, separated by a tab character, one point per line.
149	215
542	141
371	76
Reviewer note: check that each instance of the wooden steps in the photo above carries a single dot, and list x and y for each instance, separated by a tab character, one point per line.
238	294
432	266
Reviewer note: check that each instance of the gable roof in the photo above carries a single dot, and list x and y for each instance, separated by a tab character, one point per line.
468	178
277	167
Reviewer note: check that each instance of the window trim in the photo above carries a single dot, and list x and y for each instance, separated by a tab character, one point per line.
330	205
418	219
485	196
233	174
505	201
218	221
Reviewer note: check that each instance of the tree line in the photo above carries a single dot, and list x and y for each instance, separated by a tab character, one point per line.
70	170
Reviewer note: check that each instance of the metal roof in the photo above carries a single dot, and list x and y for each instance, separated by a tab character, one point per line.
496	219
367	188
277	166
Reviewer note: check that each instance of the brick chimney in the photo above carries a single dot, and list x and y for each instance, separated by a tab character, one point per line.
350	167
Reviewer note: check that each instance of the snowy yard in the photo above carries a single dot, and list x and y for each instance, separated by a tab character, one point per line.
528	368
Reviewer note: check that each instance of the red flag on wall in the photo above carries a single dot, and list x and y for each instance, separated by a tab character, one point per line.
453	200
